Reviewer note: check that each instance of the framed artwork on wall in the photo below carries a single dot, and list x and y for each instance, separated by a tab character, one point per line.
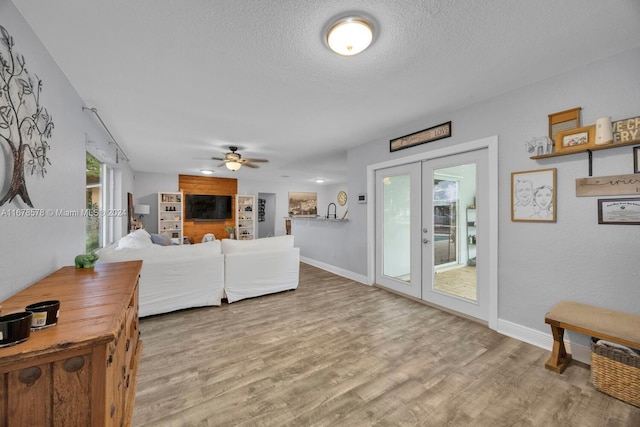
303	204
533	196
619	211
427	135
131	223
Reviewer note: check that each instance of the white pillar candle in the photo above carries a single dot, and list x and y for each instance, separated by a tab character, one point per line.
604	131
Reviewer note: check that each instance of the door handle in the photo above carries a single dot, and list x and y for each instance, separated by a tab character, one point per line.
425	241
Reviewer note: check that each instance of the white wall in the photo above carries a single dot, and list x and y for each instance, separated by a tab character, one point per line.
32	248
281	190
146	187
539	264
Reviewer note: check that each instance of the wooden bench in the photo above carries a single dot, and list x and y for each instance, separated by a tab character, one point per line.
602	323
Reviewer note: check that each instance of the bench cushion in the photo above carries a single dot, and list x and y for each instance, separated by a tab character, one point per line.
612	323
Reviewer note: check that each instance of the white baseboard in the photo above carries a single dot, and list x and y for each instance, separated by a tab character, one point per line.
335	270
578	352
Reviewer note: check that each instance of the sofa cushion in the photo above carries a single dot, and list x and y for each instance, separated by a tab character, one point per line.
161	239
138	239
258	245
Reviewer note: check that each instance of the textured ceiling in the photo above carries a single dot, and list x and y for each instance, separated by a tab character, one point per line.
177	81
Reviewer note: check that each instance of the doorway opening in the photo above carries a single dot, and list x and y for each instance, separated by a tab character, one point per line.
266	215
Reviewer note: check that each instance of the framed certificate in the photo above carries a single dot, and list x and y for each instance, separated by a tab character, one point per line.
619	211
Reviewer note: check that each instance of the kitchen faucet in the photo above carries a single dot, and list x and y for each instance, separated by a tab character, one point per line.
334	210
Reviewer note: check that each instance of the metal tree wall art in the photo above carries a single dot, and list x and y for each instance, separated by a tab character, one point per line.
25	125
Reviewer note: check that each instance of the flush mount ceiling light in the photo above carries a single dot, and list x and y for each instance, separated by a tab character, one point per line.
319	180
350	36
206	172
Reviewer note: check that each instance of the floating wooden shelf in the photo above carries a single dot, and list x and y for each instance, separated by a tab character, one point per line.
594	148
588	150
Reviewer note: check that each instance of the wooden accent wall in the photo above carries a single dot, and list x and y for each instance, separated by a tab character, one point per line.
190	184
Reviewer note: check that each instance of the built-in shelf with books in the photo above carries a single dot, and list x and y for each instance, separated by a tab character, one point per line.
170	215
245	217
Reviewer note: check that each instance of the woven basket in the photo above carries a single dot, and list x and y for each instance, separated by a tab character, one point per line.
616	372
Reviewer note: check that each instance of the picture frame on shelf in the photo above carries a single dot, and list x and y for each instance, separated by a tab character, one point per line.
575	140
624	211
533	196
636	159
564	120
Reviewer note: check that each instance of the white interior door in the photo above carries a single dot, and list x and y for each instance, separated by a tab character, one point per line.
398	222
454	193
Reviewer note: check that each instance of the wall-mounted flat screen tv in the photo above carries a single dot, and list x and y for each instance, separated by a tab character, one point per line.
204	207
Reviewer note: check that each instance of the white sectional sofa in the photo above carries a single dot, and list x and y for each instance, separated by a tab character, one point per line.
259	267
175	277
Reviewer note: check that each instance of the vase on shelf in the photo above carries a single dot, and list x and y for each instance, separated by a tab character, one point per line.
604	131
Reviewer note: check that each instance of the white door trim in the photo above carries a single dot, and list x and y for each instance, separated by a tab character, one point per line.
491	144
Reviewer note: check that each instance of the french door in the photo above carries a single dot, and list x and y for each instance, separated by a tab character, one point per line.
430	226
398	201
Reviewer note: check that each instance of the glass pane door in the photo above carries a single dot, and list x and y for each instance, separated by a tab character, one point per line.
455	272
453	191
398	229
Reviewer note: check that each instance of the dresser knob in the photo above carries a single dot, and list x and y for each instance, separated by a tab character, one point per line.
74	364
30	375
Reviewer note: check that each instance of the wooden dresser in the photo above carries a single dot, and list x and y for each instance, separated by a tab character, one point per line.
82	371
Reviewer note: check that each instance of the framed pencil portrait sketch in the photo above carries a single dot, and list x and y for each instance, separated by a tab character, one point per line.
533	196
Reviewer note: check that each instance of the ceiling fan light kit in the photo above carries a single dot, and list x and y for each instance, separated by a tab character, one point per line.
234	161
349	36
233	166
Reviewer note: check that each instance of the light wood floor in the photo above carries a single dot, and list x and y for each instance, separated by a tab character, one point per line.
339	353
460	281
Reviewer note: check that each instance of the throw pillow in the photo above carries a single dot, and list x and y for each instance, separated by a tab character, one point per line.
160	239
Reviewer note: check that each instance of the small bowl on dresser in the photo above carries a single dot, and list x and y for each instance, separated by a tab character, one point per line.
45	314
15	328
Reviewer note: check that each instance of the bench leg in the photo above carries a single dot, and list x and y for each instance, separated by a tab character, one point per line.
559	358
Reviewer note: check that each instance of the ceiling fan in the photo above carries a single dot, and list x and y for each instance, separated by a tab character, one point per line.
234	161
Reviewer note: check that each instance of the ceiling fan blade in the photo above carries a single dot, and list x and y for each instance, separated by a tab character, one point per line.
257	160
250	165
217	158
222	164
